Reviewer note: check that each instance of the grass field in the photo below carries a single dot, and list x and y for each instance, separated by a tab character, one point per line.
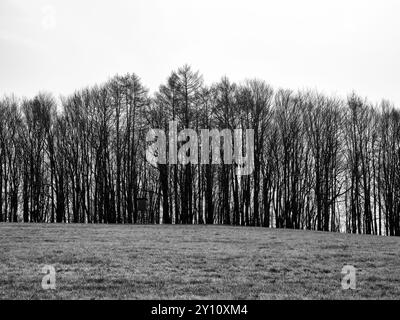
193	262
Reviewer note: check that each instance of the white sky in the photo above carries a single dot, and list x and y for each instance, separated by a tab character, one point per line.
333	46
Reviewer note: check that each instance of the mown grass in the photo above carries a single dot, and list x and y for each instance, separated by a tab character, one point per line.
193	262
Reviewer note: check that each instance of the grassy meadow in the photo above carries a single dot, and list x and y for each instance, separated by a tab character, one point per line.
193	262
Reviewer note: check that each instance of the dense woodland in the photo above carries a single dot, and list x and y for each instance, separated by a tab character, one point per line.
321	163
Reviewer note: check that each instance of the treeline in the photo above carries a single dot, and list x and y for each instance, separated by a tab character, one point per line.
320	163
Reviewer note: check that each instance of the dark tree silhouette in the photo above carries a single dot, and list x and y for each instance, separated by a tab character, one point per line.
320	163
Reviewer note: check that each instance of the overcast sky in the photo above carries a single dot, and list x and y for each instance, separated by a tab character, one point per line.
333	46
